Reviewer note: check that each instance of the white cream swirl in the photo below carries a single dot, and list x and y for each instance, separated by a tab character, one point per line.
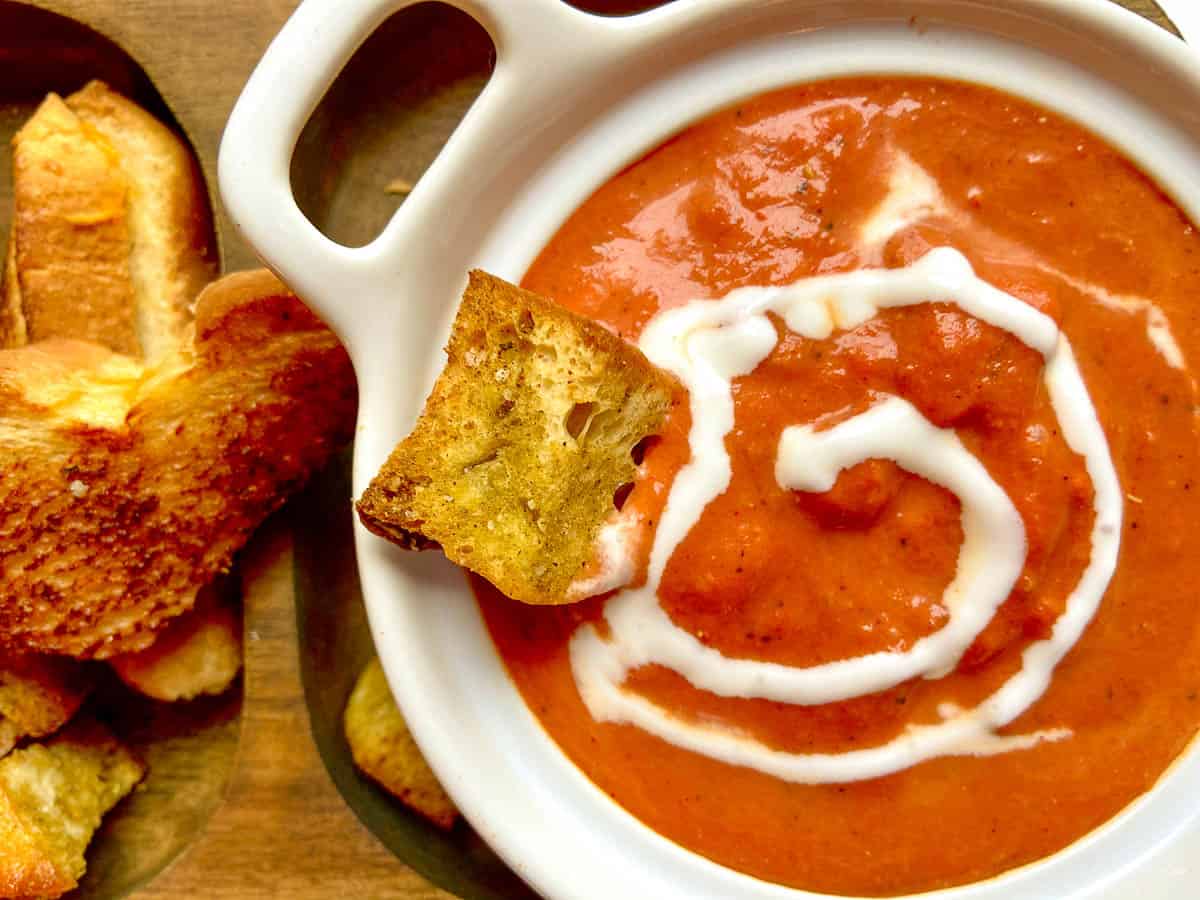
707	344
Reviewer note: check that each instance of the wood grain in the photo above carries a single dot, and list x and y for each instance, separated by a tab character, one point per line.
283	829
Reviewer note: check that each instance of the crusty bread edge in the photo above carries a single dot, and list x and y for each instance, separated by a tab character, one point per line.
12	315
232	291
187	256
47	194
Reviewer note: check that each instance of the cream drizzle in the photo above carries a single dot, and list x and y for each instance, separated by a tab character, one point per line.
1158	328
707	344
612	550
914	196
993	548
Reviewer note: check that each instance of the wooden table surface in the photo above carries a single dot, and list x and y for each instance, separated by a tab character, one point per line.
283	829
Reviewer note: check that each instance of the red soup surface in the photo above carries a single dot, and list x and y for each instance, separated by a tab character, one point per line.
789	185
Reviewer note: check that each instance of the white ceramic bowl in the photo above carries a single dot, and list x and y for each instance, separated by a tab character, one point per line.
573	99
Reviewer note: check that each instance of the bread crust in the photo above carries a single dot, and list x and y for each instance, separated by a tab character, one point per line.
127	488
70	233
171	257
12	318
112	236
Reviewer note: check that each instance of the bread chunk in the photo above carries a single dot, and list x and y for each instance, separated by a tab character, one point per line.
38	695
384	749
514	463
128	488
52	799
111	237
199	652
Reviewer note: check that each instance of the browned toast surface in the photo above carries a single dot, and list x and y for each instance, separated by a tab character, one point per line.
513	466
70	260
112	233
128	488
163	232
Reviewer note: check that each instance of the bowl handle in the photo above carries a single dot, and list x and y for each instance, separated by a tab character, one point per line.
541	46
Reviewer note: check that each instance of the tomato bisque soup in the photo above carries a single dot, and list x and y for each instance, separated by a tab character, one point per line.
914	600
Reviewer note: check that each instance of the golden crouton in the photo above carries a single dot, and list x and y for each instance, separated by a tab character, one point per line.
52	798
514	463
199	652
385	750
38	695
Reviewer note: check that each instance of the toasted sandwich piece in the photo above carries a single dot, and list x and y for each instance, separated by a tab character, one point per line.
171	257
384	749
112	231
129	488
513	466
199	652
52	799
39	695
167	220
71	238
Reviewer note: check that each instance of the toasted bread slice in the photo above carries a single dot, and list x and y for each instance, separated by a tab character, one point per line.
171	256
112	231
199	652
513	465
129	487
384	749
52	799
70	260
39	694
169	262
